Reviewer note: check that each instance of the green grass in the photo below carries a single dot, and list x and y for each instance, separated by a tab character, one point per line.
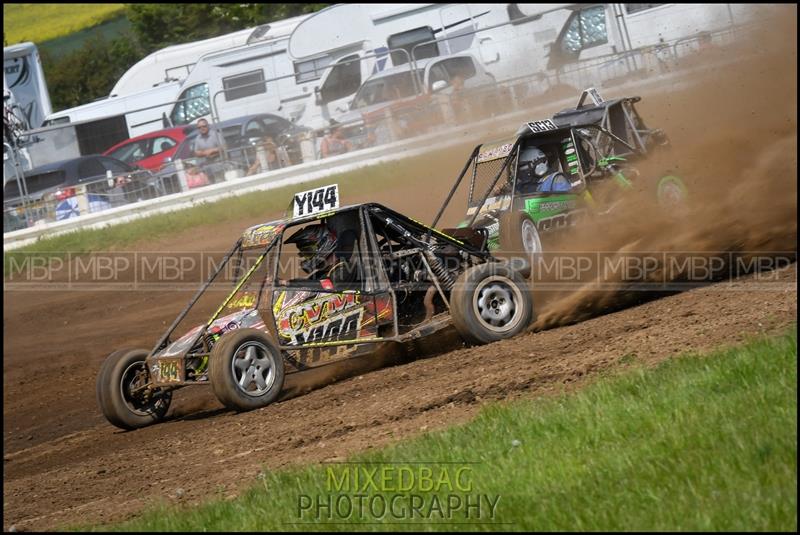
697	443
41	22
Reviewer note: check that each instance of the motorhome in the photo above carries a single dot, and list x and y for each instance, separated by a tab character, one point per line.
174	63
24	78
511	40
255	77
129	116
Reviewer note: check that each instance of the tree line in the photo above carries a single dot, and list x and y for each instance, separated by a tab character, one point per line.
90	72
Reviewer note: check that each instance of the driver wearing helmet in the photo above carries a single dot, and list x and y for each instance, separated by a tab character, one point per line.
326	256
535	174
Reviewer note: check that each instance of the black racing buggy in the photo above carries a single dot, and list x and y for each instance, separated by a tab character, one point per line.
393	282
555	172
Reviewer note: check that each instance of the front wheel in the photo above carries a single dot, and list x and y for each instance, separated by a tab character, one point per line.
121	392
246	370
519	239
490	302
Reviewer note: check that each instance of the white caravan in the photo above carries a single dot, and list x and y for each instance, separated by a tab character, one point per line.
140	113
174	63
24	78
253	78
512	40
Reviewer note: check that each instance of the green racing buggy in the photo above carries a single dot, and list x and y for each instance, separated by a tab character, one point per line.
556	172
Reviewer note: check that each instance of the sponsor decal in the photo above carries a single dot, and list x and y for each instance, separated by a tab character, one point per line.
328	317
260	235
494	153
245	300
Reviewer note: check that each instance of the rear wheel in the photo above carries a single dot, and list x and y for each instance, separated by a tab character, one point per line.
121	394
490	302
246	370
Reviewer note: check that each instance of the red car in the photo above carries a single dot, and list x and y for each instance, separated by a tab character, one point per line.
149	151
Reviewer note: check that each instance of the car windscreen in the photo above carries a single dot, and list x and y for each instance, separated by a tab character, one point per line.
385	89
34	183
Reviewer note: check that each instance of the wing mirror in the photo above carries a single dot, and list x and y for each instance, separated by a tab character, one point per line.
439	85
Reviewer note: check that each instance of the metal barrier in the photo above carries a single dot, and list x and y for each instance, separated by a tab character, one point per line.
424	113
92	195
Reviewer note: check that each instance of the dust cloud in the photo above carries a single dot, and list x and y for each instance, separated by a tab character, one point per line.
734	141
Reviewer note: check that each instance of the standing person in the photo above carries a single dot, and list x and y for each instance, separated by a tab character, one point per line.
209	146
334	143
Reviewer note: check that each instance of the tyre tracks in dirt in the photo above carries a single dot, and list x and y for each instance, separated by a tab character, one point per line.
100	474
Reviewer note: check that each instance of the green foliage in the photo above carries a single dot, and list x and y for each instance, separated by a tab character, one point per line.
160	25
701	443
41	22
90	72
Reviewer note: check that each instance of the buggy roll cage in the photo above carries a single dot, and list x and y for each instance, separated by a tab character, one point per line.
398	222
512	154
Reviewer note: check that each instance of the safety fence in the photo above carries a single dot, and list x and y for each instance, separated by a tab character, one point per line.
422	101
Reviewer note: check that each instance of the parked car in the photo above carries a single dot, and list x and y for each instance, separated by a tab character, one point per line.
406	91
242	135
150	151
53	189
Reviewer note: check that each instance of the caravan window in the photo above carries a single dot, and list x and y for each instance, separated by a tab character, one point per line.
244	85
192	104
306	71
343	81
586	28
409	40
635	8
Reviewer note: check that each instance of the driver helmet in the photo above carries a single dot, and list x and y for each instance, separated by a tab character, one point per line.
316	244
533	163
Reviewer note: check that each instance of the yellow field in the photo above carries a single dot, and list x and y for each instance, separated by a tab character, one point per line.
41	22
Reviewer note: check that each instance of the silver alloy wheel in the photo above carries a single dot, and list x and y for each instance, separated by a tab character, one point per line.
530	237
135	377
496	304
253	368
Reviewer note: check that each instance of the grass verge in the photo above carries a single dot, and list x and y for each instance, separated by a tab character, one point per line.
42	22
704	443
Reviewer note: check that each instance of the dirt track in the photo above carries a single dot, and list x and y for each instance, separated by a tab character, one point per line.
64	464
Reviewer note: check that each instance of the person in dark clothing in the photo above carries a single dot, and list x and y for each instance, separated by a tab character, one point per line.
326	256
